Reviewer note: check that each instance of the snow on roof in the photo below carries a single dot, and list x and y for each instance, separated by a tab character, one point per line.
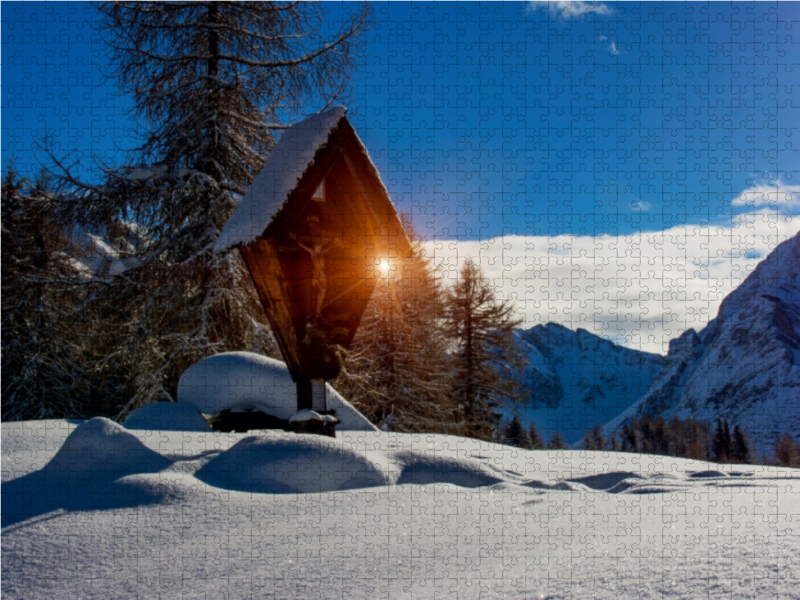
290	159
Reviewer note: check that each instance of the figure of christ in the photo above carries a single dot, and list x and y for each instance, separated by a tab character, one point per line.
318	280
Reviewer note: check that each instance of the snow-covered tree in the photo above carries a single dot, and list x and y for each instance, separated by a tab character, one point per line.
212	82
488	362
42	376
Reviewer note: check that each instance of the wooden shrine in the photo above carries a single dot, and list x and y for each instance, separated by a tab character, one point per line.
313	230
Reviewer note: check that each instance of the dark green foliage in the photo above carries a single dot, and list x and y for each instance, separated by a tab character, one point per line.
687	438
741	446
722	444
515	434
557	442
537	443
594	438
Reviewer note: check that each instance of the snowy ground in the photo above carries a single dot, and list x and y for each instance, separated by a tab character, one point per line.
116	513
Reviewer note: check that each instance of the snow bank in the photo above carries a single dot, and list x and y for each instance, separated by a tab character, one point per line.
245	379
293	154
288	463
167	416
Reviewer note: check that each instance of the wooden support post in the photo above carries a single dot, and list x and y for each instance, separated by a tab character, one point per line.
303	393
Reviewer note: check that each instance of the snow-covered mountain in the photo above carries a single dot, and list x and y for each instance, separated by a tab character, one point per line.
578	379
745	364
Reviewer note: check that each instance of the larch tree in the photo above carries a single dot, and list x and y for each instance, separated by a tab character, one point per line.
212	83
488	363
397	370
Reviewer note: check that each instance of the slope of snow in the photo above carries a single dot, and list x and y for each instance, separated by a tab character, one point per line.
578	379
745	364
290	158
245	379
279	515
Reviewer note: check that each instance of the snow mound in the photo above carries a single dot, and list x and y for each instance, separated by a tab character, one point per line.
421	467
239	379
99	467
287	464
101	447
291	157
167	416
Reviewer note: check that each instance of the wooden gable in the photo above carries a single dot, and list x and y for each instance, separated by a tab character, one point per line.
316	263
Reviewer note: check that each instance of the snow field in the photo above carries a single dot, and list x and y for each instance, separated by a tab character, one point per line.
274	515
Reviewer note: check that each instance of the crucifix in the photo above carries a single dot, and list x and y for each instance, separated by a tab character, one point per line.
318	280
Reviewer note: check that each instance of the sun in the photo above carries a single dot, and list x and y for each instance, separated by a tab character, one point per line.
383	265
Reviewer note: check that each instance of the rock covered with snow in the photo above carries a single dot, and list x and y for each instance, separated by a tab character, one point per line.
290	158
578	379
244	379
167	416
745	364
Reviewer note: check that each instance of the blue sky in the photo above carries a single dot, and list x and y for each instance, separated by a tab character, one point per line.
529	121
492	119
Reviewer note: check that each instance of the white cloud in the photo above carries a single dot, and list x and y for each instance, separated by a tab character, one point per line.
640	204
612	47
568	8
777	194
640	290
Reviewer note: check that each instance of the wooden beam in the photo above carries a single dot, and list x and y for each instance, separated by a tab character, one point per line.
262	261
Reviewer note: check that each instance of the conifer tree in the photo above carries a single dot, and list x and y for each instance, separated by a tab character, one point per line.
42	375
537	443
488	363
397	370
741	447
595	439
786	452
515	434
557	442
721	444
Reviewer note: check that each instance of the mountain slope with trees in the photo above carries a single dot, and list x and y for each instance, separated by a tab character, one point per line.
744	366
